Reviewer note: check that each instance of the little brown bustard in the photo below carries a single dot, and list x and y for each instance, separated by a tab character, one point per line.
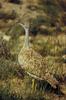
33	63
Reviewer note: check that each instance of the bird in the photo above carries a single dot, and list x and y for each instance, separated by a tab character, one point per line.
33	63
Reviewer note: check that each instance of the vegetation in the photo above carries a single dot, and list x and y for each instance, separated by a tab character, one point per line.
46	38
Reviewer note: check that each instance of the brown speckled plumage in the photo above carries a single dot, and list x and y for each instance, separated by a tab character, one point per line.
33	63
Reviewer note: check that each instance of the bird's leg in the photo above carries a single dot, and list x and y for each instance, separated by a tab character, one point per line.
33	85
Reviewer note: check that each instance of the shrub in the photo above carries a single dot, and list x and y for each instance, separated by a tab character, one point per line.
4	49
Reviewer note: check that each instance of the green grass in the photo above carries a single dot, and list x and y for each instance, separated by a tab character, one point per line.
13	85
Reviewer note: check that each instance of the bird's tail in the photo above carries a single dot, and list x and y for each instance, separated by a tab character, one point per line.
51	80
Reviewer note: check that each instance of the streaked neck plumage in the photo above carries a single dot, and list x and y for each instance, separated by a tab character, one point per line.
26	28
26	42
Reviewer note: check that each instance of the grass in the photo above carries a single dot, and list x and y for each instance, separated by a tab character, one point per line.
15	86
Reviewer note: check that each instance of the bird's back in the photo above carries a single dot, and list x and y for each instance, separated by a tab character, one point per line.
31	61
34	63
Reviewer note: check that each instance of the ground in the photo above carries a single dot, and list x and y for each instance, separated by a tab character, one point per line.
14	84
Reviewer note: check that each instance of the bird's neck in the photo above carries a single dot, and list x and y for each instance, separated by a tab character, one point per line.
26	42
